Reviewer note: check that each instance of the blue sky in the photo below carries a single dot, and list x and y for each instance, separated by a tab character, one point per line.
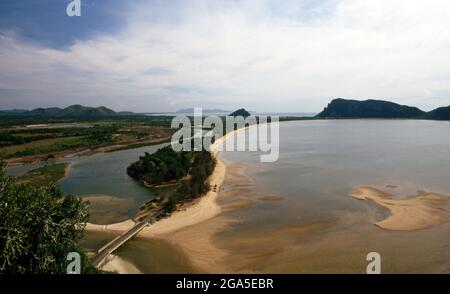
46	21
265	55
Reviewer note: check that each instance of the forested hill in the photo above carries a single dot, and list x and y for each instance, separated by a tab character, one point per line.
70	111
441	113
343	108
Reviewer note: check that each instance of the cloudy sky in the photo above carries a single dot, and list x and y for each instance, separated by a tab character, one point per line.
264	55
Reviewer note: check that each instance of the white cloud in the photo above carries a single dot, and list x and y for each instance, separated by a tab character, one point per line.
254	54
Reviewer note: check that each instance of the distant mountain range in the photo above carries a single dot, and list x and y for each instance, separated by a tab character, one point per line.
344	108
70	111
336	109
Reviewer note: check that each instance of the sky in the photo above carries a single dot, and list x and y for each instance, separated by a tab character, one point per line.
263	55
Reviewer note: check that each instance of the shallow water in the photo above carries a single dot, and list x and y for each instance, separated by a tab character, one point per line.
318	227
147	255
103	174
156	256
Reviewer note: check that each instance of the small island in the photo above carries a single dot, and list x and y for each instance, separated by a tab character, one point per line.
240	112
189	170
45	176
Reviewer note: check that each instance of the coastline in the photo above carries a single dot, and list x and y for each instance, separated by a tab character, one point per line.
192	228
204	209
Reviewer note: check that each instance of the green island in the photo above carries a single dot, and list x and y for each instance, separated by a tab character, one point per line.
188	169
45	176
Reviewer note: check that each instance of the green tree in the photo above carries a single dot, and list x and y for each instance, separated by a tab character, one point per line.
39	226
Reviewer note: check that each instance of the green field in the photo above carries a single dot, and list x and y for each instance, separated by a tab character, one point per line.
42	146
42	139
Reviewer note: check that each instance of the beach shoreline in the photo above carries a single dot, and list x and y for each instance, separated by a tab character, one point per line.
204	209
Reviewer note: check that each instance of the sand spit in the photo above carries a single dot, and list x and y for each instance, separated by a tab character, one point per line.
413	213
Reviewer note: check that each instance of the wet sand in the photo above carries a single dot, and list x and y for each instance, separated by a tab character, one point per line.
421	211
116	264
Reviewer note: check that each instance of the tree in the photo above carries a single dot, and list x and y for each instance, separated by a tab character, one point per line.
170	205
39	226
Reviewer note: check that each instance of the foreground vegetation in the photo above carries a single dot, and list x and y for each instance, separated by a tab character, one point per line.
39	226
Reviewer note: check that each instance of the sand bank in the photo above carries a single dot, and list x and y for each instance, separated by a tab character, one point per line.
412	213
67	167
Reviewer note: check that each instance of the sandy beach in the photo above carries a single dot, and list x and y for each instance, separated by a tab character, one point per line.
412	213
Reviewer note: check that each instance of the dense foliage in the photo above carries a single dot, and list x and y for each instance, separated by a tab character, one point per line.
168	165
162	166
39	226
202	167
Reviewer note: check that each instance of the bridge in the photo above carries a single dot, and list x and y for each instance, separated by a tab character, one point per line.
100	256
